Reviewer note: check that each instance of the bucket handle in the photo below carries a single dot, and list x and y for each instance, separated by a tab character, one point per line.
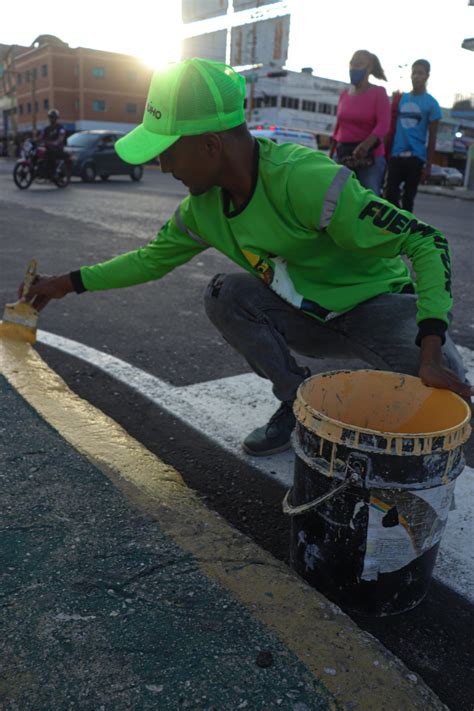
353	476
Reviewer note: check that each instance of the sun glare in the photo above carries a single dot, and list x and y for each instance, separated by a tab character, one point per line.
156	62
163	49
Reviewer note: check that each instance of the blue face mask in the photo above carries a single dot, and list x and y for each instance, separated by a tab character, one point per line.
357	75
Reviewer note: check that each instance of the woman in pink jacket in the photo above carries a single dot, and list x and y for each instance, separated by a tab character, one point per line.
363	120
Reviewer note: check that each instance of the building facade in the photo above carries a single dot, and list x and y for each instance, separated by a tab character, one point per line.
293	100
90	88
8	74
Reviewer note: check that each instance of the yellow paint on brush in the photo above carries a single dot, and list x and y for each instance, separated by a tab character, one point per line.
20	319
17	332
316	631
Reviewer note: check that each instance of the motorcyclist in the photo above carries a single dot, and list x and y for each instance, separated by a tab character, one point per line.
53	138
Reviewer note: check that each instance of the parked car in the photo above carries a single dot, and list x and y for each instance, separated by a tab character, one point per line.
437	176
92	153
453	176
279	134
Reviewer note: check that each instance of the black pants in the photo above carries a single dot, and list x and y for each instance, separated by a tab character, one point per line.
407	171
53	155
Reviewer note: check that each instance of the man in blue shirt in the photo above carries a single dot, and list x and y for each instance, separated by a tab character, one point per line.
417	118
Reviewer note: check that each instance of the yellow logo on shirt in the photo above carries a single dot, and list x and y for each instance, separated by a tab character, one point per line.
263	268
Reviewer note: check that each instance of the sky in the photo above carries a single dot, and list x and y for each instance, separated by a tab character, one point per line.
323	35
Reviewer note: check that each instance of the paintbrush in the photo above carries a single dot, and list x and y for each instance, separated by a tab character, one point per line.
20	319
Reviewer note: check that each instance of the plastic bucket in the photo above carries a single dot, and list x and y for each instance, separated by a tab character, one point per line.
377	457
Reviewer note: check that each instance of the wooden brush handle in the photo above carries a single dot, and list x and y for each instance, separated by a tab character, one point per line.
29	277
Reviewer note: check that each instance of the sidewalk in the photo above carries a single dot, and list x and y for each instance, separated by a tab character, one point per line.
123	591
461	193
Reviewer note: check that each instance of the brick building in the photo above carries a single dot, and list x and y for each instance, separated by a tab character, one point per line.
90	88
8	54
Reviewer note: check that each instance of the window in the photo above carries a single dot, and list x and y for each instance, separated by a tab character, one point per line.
19	78
266	100
28	108
76	70
82	140
27	76
44	70
21	109
36	107
98	72
309	105
108	141
46	104
325	108
98	105
131	108
76	104
289	102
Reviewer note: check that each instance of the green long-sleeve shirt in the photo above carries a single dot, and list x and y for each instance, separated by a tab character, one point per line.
310	231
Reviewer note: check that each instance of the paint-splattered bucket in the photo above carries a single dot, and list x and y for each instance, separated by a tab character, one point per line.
377	457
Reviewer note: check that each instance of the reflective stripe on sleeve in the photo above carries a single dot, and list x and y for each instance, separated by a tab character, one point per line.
332	196
187	231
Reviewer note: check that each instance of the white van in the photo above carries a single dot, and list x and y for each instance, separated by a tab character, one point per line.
278	134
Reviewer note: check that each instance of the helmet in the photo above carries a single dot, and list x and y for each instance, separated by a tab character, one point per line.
53	113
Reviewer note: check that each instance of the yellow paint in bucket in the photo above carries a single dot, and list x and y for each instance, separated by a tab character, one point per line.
383	402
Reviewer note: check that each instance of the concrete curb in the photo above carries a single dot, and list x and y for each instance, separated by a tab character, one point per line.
460	193
356	669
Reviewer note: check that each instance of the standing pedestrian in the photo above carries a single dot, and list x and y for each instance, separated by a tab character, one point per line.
363	120
418	116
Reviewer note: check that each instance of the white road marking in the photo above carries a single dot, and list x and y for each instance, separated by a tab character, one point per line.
226	410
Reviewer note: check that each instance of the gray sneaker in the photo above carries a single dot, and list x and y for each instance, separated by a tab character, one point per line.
274	436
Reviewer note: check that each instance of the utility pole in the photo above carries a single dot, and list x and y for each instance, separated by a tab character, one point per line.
253	61
33	102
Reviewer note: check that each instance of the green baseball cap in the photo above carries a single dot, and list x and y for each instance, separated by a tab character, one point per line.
188	98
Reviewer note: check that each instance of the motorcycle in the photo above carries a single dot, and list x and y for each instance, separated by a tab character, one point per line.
34	166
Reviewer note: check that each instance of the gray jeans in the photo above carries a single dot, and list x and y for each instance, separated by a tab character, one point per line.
263	328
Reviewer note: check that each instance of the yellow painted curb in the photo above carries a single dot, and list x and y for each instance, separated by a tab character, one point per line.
366	676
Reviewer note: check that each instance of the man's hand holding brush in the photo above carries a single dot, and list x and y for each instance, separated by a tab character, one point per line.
44	288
